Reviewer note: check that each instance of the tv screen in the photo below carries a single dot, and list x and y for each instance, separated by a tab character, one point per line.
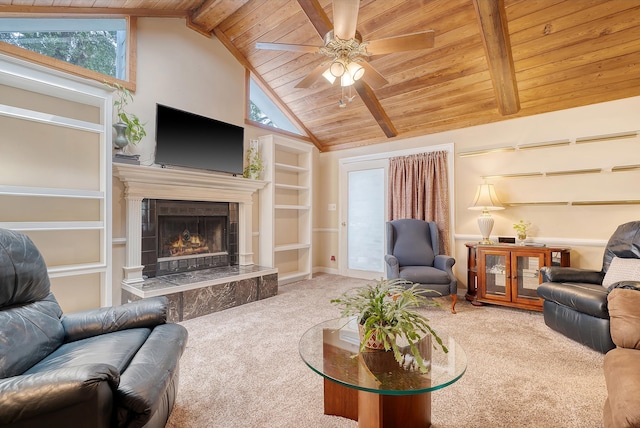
190	140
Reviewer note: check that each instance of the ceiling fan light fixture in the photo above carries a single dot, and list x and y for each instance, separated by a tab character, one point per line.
337	68
330	77
346	79
356	70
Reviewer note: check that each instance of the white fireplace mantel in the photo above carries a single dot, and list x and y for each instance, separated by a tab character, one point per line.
184	185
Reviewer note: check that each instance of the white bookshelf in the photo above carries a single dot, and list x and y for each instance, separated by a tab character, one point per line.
55	175
285	207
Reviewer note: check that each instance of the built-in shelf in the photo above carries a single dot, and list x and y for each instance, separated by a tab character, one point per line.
291	187
53	225
292	207
50	192
287	167
285	205
64	113
290	247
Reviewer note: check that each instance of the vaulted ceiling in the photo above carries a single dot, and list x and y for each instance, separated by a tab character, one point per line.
492	59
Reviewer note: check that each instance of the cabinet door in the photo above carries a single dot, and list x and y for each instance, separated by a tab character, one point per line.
494	272
526	277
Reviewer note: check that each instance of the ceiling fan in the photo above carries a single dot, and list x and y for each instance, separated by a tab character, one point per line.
347	54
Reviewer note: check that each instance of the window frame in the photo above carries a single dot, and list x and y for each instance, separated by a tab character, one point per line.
303	134
66	67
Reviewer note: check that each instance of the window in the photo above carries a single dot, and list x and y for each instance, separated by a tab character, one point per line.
264	111
91	47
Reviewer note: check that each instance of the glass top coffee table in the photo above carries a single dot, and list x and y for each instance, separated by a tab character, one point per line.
372	387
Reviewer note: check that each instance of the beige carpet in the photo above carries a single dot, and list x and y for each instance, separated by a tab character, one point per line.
241	367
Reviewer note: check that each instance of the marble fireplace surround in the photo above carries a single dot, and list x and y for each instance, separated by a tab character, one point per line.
177	184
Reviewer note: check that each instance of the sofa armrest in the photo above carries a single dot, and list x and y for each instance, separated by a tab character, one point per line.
29	396
145	313
570	274
149	374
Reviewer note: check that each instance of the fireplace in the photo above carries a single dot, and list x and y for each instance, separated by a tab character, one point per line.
181	236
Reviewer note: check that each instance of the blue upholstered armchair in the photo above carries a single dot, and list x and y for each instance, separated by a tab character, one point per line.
413	253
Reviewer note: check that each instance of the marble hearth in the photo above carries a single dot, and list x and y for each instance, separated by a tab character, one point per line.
201	291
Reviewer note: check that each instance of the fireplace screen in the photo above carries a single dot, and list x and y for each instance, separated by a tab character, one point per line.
191	236
181	236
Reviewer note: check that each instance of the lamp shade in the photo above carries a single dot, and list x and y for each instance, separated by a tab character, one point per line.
486	199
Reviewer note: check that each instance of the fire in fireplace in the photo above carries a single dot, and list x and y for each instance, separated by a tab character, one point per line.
180	236
186	236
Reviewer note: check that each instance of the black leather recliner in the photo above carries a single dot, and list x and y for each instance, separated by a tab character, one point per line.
108	367
575	302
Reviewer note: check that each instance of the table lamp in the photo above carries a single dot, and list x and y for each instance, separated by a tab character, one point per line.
486	200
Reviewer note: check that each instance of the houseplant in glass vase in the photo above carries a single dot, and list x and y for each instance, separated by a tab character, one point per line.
128	128
385	313
522	228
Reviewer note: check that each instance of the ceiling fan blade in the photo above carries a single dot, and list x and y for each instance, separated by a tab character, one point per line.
371	75
317	16
369	99
312	77
345	18
407	42
286	47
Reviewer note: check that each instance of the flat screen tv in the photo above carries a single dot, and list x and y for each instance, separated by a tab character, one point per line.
193	141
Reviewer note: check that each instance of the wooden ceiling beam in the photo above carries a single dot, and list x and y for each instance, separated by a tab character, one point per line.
492	19
212	12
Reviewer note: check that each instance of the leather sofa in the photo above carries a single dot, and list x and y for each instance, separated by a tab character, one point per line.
575	301
108	367
622	406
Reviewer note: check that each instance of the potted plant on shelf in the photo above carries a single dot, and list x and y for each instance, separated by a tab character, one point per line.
385	312
254	163
129	129
521	228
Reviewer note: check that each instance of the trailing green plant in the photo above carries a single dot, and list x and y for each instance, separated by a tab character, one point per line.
254	164
135	129
522	227
386	310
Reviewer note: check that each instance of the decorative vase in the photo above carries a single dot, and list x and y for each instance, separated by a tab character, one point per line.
371	343
120	140
521	238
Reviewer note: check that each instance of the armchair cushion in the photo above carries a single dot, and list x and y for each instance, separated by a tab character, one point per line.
622	270
585	298
412	244
424	275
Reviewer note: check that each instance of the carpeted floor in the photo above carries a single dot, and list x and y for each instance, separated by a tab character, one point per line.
241	367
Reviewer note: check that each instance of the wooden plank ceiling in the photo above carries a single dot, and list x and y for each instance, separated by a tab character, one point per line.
492	59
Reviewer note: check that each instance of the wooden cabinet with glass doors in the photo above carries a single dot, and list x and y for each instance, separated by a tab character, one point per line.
509	275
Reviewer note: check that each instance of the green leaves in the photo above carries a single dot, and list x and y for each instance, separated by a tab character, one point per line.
386	309
135	129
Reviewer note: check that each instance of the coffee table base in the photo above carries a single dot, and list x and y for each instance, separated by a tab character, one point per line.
373	410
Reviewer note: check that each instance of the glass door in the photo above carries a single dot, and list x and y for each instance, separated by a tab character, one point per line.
495	268
363	217
527	276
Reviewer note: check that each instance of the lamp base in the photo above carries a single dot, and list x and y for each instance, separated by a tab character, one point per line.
485	224
486	242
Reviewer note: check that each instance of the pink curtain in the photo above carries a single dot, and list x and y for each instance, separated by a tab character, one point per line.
419	188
